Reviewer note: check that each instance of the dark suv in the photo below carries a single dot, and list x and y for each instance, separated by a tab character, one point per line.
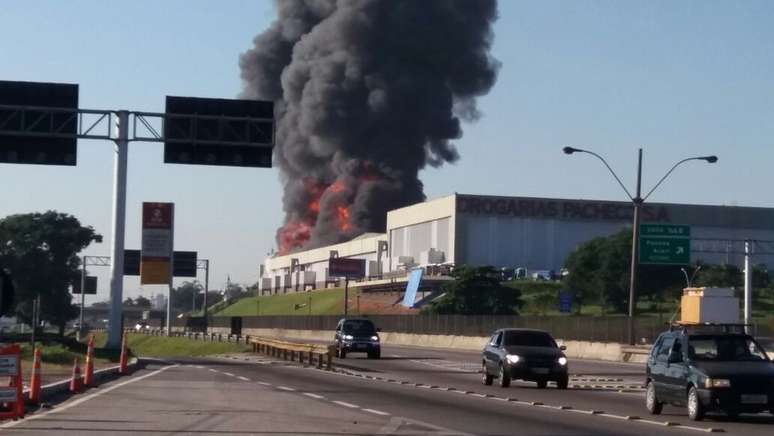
524	354
709	368
357	335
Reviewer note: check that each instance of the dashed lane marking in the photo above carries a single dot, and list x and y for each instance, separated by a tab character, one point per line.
243	378
345	404
315	396
264	383
376	412
228	374
285	388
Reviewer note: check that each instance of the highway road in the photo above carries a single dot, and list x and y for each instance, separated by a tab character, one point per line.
409	391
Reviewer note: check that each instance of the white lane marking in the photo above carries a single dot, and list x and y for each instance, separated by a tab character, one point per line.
345	404
243	378
285	388
264	383
213	370
318	397
66	406
199	366
228	374
376	412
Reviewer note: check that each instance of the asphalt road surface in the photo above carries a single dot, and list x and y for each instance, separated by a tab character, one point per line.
409	391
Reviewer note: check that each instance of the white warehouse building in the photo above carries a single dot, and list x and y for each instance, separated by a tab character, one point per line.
533	233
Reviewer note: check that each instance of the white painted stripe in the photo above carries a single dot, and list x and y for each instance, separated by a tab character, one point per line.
309	394
264	383
345	404
68	405
199	366
213	370
376	412
228	374
243	378
285	388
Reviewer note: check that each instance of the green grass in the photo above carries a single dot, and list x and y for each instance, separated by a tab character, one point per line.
160	346
323	302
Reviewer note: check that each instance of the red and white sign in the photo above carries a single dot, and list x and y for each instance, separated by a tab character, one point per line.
157	243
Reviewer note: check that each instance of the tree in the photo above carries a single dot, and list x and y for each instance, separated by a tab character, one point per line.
720	275
599	270
142	302
40	250
476	291
183	297
128	302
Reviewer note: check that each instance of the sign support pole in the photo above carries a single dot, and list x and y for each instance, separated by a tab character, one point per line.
346	295
118	232
747	286
206	291
83	299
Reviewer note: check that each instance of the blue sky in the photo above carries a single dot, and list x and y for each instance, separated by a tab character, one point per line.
675	78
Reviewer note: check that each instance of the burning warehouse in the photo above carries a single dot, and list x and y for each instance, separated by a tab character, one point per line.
532	233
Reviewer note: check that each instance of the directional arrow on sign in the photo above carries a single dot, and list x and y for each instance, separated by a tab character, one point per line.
680	250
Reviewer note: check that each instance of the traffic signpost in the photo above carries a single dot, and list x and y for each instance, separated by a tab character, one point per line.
665	244
349	269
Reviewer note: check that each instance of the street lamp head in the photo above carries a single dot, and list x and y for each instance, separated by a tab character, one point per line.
711	159
569	150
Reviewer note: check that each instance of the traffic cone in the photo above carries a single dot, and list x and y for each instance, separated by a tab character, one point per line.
35	381
76	381
89	373
122	368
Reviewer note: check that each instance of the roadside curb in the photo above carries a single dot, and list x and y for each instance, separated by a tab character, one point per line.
63	386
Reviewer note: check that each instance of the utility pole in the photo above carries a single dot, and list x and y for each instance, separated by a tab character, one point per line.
83	299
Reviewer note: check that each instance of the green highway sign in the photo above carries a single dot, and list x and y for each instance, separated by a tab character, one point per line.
665	244
666	230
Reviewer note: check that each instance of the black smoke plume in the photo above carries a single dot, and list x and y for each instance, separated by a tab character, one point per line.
368	93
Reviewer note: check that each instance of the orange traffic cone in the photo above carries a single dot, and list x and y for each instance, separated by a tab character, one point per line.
76	381
122	368
89	373
35	381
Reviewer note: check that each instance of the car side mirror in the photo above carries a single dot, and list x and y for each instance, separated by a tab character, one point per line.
675	357
563	347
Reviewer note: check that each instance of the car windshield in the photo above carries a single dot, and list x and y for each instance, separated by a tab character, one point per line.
359	327
725	348
529	339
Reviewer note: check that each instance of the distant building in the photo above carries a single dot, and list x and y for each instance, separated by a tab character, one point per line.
159	301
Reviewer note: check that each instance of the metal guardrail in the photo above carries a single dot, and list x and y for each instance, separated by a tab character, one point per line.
316	354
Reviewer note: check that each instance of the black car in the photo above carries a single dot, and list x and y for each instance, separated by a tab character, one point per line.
706	369
524	354
357	335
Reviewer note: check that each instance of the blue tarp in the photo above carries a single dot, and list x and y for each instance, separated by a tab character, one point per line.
415	277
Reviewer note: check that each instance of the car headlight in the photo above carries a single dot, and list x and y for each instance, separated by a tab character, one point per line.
512	358
562	361
717	383
348	337
375	338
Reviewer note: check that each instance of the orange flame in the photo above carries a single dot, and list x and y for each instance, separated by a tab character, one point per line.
337	187
343	215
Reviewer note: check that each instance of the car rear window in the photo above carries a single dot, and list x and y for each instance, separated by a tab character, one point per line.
529	339
725	348
359	326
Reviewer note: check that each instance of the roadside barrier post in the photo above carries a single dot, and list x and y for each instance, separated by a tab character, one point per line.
12	394
89	373
76	381
35	379
123	361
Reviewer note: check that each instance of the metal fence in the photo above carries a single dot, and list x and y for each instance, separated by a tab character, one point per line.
580	328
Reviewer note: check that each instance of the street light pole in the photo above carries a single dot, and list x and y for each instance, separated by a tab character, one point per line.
637	201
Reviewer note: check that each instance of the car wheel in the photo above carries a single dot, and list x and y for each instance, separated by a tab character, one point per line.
486	378
695	408
541	384
651	401
563	382
505	378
